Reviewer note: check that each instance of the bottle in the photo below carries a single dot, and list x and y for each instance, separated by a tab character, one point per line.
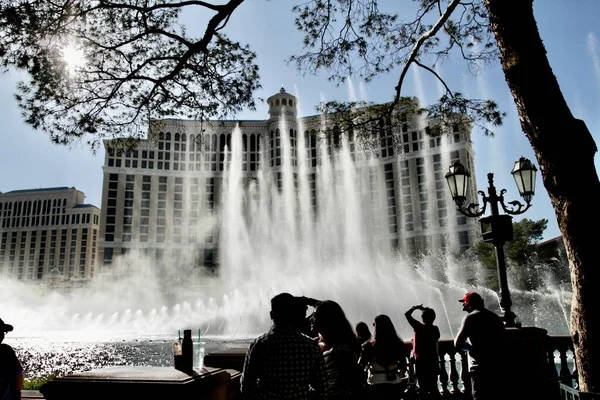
187	351
177	352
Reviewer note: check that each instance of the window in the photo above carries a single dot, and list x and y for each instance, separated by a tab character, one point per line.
108	254
463	238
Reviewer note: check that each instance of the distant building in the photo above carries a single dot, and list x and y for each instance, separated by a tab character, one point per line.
48	234
155	197
552	250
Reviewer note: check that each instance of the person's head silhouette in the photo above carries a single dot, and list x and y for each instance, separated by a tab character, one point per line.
472	301
362	331
3	329
428	315
285	310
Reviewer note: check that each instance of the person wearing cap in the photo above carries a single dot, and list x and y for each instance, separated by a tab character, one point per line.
425	351
284	363
11	371
482	332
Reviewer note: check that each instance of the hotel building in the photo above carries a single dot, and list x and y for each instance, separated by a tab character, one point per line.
48	233
153	197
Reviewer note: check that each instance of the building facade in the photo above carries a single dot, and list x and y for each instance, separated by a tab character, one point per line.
155	196
48	234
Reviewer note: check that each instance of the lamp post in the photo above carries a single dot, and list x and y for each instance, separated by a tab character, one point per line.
496	229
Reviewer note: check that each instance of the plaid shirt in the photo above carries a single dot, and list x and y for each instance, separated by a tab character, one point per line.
283	364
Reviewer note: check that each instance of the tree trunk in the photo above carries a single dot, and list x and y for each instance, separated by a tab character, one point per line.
565	151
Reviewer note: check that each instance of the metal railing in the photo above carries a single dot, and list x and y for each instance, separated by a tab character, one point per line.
454	380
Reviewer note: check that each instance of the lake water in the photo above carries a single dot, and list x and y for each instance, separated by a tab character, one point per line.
44	356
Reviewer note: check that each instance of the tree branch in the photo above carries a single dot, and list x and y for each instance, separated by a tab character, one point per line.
415	51
213	25
107	4
436	75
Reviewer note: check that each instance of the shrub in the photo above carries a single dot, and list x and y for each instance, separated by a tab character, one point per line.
36	383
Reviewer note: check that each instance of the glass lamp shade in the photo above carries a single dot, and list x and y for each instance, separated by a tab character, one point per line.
458	180
524	173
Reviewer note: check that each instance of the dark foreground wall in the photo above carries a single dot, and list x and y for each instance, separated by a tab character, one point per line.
122	383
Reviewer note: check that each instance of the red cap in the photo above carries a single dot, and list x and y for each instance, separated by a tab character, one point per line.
472	299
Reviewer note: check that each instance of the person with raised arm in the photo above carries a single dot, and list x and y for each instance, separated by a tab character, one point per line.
425	351
284	363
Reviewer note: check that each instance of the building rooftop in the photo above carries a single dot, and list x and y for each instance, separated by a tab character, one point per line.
85	206
557	239
51	189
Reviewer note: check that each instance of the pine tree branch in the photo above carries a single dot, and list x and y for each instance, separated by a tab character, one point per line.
417	47
425	67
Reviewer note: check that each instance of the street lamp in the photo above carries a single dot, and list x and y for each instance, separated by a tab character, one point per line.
496	229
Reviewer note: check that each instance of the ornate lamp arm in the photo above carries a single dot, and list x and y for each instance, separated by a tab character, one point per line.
515	207
471	209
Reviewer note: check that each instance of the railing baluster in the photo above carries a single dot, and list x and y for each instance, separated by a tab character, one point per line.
552	371
451	377
575	377
444	373
464	374
565	373
453	372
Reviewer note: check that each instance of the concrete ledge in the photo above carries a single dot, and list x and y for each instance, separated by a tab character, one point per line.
31	394
227	359
145	383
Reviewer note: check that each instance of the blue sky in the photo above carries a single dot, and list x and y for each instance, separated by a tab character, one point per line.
569	29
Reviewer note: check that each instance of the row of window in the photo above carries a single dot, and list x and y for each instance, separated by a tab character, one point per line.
48	220
284	102
210	156
32	207
25	255
417	245
176	201
200	257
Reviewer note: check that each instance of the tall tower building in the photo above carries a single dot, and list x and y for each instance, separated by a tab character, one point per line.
48	233
164	198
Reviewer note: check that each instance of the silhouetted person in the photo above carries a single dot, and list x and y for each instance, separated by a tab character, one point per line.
11	372
362	333
425	351
384	356
483	333
306	322
340	350
284	363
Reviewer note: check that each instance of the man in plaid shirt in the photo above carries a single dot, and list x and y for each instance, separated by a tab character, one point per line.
284	363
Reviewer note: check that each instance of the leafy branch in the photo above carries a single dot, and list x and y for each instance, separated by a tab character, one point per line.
139	64
354	37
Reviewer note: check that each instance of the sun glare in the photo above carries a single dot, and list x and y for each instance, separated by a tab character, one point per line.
73	58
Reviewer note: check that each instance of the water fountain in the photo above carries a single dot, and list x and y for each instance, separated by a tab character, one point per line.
274	240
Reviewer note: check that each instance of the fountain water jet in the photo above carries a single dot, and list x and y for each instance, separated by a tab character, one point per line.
273	237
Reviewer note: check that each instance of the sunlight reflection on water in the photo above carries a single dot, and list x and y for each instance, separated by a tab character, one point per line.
58	354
